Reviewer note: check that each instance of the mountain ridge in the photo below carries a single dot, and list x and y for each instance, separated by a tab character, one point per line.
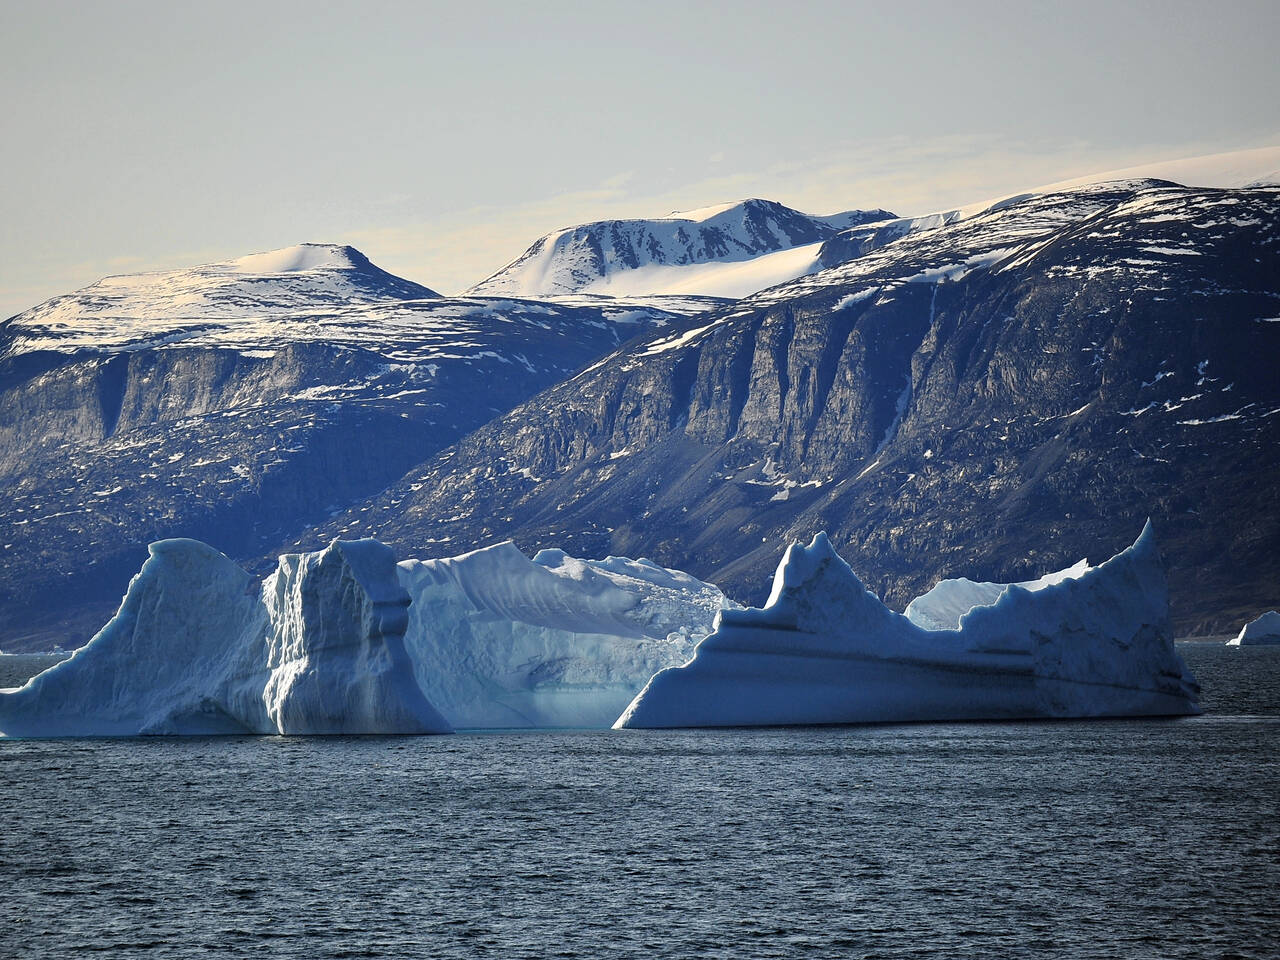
588	257
1011	379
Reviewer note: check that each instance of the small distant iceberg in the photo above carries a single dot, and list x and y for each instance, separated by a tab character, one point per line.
1264	630
1085	642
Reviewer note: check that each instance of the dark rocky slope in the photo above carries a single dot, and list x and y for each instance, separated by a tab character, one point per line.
995	397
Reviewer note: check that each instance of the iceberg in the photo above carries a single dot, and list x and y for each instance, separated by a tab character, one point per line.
499	640
344	641
1264	630
1093	642
336	653
198	648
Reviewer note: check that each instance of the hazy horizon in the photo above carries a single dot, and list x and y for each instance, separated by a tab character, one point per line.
441	142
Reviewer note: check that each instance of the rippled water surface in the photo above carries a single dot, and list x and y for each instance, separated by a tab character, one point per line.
1068	839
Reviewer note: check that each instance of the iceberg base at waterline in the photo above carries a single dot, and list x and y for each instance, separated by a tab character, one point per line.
197	648
1087	642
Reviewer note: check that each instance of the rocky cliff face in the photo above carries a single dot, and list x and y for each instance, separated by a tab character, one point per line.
184	409
1031	382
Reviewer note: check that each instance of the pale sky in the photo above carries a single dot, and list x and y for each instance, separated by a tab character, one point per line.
442	139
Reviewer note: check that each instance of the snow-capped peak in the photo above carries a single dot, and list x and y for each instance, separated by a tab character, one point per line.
709	251
136	308
700	214
296	259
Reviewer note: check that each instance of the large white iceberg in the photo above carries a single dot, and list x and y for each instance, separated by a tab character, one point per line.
825	650
499	640
343	641
198	648
1264	630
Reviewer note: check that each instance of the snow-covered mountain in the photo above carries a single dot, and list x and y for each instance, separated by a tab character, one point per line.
133	308
239	401
729	250
737	249
1234	170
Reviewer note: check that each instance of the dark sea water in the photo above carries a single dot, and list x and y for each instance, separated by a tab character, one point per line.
1107	839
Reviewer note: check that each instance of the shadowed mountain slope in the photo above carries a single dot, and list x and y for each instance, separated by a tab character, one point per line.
1029	382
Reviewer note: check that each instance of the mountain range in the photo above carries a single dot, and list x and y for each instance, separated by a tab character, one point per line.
1028	378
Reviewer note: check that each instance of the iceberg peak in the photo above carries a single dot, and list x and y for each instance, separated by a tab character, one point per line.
336	649
804	585
1146	542
801	564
